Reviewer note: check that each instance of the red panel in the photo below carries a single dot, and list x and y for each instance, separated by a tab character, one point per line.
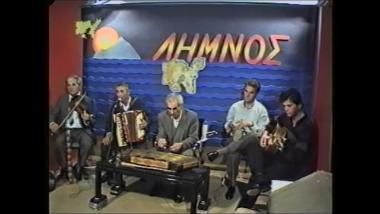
65	48
323	93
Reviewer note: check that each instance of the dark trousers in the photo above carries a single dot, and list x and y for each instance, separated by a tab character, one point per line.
109	151
77	135
264	166
235	150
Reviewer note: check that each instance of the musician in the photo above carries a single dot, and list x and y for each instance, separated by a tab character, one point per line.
296	154
246	121
177	126
177	130
80	122
125	102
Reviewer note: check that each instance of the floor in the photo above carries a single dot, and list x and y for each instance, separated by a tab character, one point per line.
64	200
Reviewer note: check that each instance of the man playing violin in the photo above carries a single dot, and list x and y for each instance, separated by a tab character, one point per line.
73	111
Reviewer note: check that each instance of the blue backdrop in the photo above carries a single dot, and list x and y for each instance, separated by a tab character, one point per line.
219	85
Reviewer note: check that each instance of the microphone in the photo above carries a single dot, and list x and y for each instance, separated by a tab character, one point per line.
198	144
211	133
117	108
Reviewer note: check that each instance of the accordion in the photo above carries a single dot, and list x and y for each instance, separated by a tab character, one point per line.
162	161
128	127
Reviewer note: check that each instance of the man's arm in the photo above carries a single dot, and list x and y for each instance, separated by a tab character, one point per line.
138	104
193	133
302	143
263	119
55	112
91	109
109	121
230	118
161	129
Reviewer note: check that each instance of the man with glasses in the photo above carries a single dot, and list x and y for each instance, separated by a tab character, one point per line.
177	130
177	126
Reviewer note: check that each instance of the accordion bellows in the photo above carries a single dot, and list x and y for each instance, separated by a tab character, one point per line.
128	127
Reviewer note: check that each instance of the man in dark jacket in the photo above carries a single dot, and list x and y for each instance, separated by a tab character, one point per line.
80	122
125	102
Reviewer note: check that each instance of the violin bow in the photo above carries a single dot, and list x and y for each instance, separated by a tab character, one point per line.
72	110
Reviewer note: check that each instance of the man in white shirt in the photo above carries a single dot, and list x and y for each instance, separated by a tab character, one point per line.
246	121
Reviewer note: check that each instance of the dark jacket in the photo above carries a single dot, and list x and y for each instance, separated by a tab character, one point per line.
61	109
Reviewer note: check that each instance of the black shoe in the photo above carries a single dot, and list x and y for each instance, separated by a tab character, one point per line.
255	189
230	193
212	155
80	172
104	178
109	178
178	198
62	173
77	172
117	189
226	181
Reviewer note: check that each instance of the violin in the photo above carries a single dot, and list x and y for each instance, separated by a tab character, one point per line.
78	104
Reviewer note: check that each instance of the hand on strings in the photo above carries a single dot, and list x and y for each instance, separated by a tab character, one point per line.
85	115
176	147
162	143
245	123
53	127
264	141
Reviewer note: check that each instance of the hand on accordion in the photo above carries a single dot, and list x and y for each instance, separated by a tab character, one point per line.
143	124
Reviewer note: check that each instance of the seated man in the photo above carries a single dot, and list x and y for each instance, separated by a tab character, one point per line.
109	143
283	164
178	129
79	122
246	121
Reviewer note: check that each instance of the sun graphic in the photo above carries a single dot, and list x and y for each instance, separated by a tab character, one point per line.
104	38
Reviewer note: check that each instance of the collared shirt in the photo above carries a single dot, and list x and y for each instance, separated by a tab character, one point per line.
257	114
176	121
302	129
71	96
126	106
297	118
